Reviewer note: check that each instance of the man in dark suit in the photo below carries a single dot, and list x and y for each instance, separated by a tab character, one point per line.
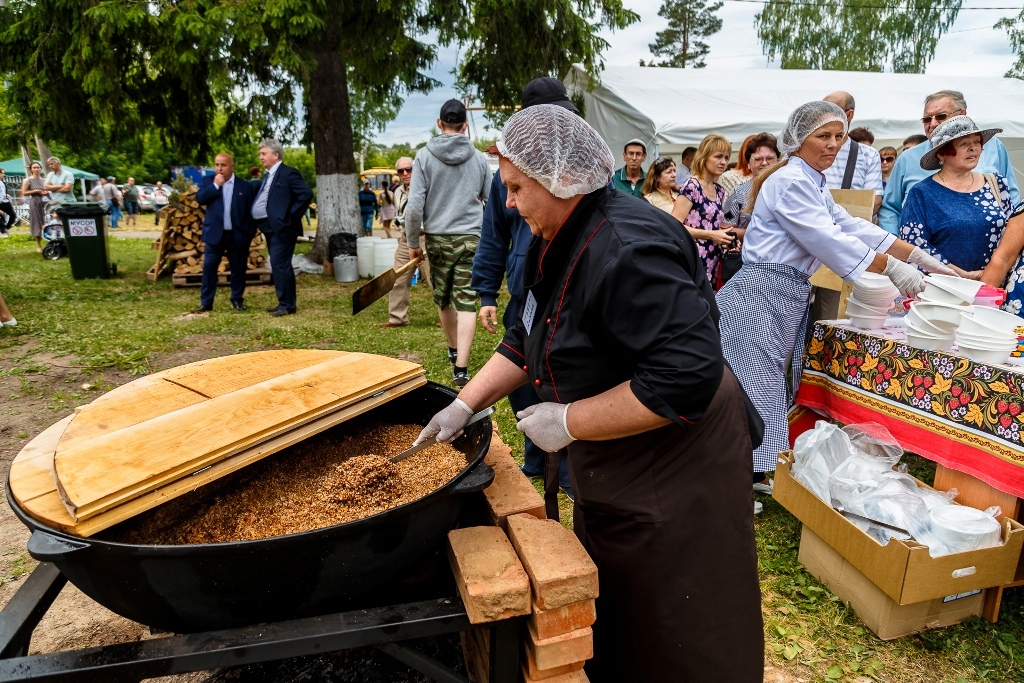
228	228
281	201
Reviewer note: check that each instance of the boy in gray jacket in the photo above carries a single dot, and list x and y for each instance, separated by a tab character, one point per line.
450	179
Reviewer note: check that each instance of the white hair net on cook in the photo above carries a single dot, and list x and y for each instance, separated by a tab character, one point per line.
558	149
806	119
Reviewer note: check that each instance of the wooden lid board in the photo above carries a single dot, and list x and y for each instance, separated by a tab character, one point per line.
143	437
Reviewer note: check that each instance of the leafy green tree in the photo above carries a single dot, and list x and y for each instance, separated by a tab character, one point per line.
688	22
328	67
855	35
1014	27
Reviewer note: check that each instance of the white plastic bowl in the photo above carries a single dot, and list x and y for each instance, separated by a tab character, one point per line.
914	328
985	342
994	356
928	342
936	327
997	319
964	528
935	312
967	289
970	325
857	308
936	292
868	322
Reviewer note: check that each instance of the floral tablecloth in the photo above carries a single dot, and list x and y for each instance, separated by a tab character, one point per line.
965	415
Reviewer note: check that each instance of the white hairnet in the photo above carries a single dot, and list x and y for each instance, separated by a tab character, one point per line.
558	149
806	119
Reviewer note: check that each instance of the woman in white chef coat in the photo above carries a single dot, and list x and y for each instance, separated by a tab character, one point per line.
795	226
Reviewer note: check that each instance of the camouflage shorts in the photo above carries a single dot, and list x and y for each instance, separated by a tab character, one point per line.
451	269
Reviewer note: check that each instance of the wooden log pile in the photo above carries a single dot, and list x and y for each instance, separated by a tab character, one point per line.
180	247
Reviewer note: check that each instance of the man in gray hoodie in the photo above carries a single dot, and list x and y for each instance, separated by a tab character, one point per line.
450	179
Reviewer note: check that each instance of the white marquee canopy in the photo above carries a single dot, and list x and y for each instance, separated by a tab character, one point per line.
674	108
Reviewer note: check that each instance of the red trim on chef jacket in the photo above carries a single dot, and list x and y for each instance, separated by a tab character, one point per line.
513	350
561	300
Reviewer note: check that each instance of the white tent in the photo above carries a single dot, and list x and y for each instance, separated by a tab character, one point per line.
674	108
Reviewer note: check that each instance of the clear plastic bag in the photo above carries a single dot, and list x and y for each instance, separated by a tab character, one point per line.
934	499
817	453
892	503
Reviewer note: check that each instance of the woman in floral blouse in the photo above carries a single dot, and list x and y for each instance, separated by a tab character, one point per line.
699	205
957	215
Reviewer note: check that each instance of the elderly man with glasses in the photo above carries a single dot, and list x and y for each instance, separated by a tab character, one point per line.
398	300
907	170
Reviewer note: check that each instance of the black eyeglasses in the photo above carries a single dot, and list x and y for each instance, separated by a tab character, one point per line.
888	160
404	170
939	118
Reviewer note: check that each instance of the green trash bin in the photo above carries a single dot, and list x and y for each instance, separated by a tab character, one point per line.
85	229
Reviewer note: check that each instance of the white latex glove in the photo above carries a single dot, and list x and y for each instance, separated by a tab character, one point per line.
546	425
906	277
930	264
447	424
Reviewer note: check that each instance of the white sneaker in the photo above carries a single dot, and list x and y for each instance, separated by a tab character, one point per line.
4	235
10	323
765	487
758	507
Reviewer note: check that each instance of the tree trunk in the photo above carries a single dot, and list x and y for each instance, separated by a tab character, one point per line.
43	148
337	205
26	156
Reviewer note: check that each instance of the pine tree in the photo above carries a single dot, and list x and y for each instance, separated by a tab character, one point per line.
688	22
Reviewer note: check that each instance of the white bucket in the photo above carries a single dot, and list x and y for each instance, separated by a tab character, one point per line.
346	268
364	255
384	255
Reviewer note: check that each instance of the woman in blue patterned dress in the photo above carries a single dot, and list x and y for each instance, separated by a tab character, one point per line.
957	215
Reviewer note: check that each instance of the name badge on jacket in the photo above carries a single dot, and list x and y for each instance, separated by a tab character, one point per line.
529	310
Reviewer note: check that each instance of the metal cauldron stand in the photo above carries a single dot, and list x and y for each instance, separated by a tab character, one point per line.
382	627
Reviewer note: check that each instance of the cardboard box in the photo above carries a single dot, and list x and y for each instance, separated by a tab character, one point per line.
902	569
884	616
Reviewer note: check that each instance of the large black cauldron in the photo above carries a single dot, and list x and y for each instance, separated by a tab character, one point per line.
189	588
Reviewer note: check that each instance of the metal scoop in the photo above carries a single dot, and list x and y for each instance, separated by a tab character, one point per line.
476	417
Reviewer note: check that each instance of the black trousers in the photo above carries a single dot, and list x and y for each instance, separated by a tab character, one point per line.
236	246
12	216
281	246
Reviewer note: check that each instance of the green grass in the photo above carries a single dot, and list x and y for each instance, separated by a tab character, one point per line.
134	325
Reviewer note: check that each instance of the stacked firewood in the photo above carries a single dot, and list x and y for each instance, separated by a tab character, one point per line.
180	245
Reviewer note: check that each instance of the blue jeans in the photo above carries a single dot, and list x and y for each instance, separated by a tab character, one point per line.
367	223
115	216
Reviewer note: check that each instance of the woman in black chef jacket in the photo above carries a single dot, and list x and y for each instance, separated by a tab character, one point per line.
618	334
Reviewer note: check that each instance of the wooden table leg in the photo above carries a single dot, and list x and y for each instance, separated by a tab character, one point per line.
975	492
978	494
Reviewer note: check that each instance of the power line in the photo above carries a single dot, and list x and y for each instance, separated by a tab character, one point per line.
799	3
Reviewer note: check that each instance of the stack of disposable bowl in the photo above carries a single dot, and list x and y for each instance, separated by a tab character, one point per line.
988	335
932	326
869	303
949	289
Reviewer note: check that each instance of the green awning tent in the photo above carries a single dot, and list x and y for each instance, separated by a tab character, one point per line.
16	167
15	170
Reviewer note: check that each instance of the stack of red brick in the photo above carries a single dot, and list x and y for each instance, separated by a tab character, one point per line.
538	568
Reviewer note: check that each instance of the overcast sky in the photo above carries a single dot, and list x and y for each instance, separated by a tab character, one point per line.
971	46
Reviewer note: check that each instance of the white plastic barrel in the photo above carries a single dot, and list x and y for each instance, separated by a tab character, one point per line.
364	255
384	255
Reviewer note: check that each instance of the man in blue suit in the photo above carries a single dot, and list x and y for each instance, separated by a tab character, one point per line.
281	201
228	229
